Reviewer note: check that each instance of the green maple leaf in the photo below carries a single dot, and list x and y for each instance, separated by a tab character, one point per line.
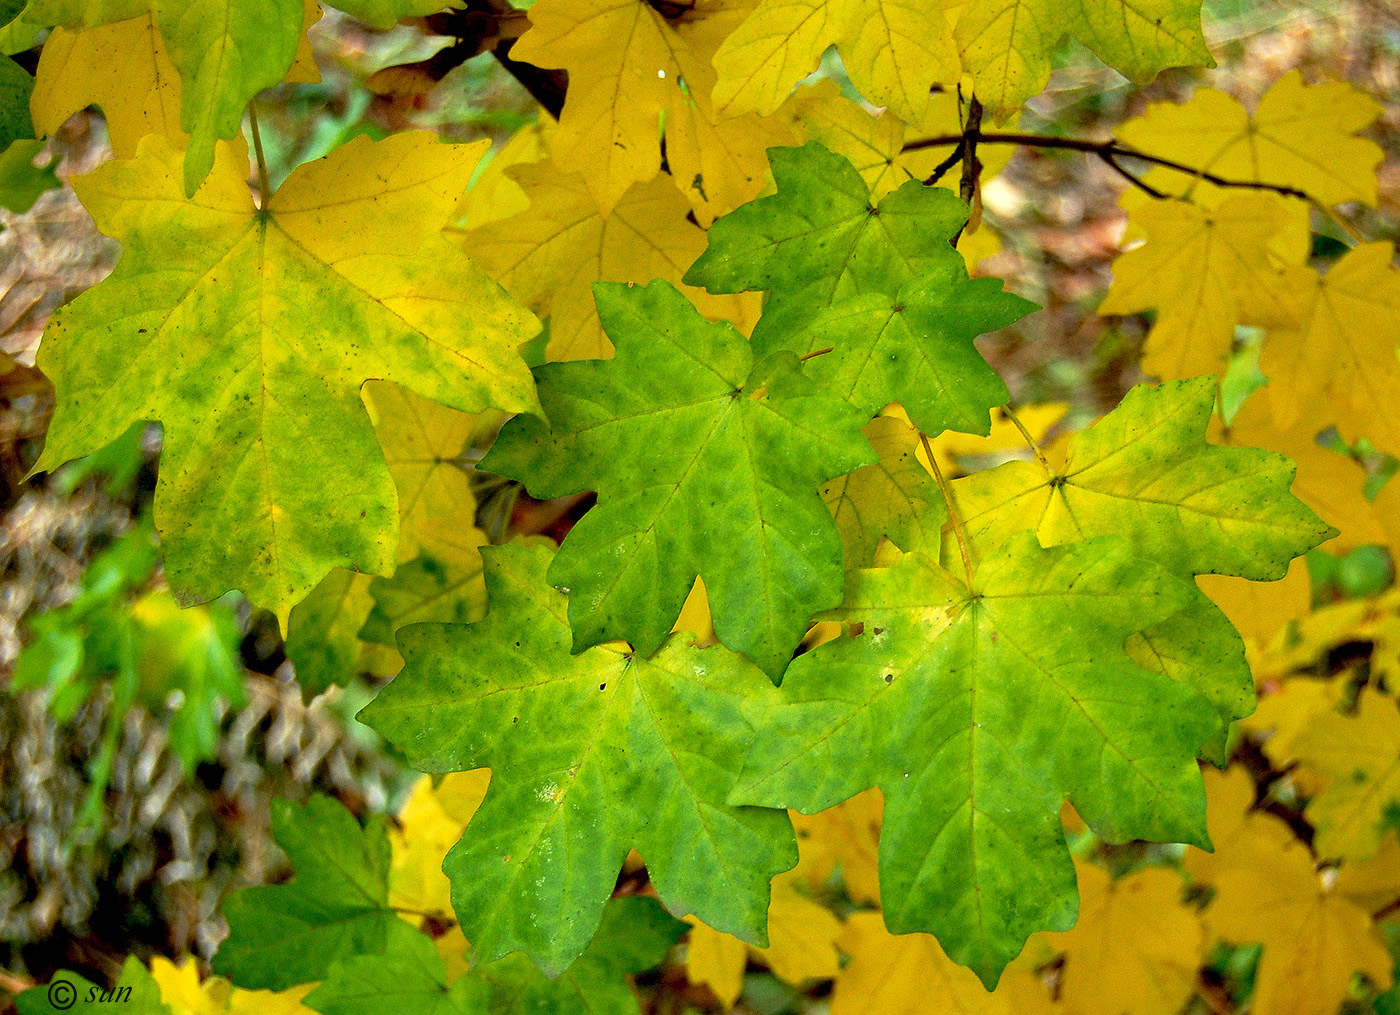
977	711
1146	471
878	284
225	50
409	978
337	906
385	14
249	334
705	462
633	936
591	755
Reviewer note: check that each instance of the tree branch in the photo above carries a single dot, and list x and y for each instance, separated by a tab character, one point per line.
1109	151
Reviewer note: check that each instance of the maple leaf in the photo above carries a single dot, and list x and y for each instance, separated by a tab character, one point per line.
247	334
1259	610
1136	947
914	347
1314	938
592	754
408	978
1006	44
1240	834
893	51
821	239
877	283
895	498
549	256
124	68
631	70
1145	471
16	87
909	974
252	45
336	906
1207	271
442	584
1339	364
844	836
1359	757
633	936
802	945
1331	483
430	821
1278	144
1011	683
705	463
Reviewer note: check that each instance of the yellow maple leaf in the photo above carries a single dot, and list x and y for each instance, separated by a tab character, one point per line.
270	1002
183	994
422	441
1206	271
1241	835
951	448
874	143
1135	948
1331	483
549	256
844	837
1359	756
802	945
909	974
125	69
632	72
430	822
1315	938
1338	365
1278	144
495	194
1258	610
1373	884
893	50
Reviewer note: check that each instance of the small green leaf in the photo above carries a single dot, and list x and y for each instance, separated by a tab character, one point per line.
591	755
408	979
336	906
633	936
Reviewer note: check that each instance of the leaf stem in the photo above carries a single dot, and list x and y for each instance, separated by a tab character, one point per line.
1030	441
947	492
815	353
264	188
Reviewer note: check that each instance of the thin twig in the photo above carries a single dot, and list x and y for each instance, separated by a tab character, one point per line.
1133	178
1030	441
941	170
264	188
947	492
816	352
971	168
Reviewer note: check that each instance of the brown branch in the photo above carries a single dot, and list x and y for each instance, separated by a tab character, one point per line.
971	167
1109	151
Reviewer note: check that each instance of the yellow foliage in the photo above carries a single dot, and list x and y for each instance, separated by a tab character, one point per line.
1206	271
631	69
846	837
183	993
430	823
1359	757
1279	143
1315	939
1135	948
1339	365
893	51
549	256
